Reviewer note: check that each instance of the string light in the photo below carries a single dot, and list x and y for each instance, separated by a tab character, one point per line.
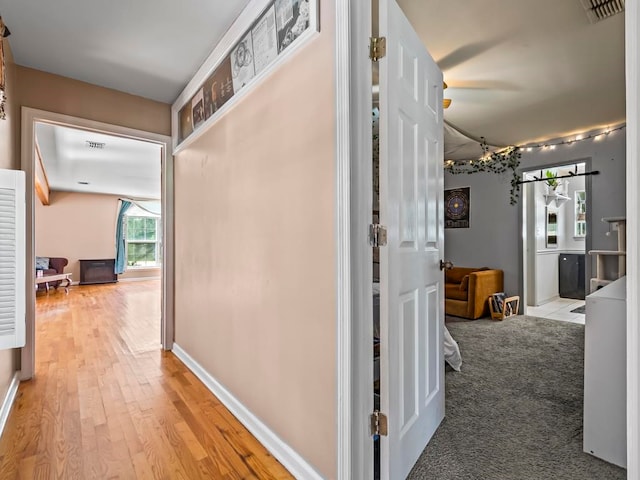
551	146
508	158
542	146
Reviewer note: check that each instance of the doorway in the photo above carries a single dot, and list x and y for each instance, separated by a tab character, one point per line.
556	217
355	333
31	118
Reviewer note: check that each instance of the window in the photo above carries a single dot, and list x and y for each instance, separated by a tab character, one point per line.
552	227
142	238
580	203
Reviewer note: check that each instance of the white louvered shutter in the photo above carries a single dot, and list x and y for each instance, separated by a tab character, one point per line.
12	259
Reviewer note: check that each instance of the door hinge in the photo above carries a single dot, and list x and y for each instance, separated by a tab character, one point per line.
378	423
377	48
377	235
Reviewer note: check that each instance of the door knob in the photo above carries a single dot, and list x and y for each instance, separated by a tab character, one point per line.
446	265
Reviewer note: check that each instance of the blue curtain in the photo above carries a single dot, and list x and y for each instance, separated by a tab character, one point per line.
120	245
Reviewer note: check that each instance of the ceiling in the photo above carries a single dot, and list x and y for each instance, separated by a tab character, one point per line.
150	48
522	71
518	71
125	167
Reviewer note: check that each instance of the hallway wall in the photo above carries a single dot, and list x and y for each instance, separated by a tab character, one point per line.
53	93
255	298
9	159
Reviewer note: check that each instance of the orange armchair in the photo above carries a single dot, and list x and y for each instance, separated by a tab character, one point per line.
467	290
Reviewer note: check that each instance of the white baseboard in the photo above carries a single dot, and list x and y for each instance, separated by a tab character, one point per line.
8	401
291	460
138	279
120	279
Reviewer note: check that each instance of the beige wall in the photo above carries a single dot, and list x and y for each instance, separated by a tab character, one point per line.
255	250
53	93
8	159
79	226
75	226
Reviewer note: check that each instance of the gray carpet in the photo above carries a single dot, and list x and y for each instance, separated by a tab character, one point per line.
515	410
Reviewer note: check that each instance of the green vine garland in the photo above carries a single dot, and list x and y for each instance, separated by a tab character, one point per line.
493	162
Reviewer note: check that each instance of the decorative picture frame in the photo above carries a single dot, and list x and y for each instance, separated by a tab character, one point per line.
457	207
251	49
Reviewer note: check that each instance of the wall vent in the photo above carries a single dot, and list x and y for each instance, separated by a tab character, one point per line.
601	9
91	144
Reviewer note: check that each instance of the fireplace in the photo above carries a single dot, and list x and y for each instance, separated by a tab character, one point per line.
97	271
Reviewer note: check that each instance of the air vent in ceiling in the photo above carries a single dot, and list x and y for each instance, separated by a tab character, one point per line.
91	144
601	9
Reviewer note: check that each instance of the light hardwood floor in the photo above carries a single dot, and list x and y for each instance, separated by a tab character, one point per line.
106	402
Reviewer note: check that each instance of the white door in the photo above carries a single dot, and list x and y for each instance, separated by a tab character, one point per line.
411	207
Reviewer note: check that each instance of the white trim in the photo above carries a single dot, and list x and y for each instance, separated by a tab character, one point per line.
168	248
14	181
158	242
527	195
361	197
343	241
558	251
9	398
142	267
138	279
240	27
286	455
632	62
29	117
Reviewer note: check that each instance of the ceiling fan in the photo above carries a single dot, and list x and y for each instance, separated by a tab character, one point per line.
446	102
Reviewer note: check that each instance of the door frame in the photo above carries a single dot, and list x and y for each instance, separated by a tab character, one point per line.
523	218
30	117
352	76
354	100
632	65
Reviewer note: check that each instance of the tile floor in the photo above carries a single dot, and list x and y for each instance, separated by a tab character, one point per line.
559	309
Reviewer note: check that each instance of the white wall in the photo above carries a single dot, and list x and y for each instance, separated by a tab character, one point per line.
494	238
546	279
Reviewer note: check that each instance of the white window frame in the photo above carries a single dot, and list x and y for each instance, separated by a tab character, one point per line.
140	213
580	226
